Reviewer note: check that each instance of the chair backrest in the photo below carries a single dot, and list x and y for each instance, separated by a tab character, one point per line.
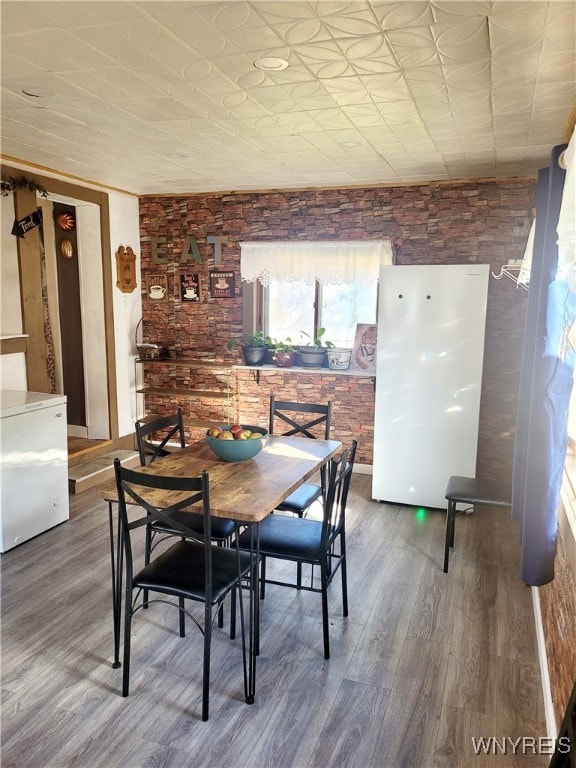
309	415
144	491
339	476
164	429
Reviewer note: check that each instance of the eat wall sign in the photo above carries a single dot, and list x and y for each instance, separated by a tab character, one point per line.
190	250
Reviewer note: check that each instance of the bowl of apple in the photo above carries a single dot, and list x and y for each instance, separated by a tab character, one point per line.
236	442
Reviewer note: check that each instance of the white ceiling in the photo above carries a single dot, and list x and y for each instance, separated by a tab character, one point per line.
163	96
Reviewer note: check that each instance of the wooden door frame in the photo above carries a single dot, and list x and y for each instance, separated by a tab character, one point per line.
31	283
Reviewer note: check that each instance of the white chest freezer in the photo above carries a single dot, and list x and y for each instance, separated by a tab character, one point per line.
33	465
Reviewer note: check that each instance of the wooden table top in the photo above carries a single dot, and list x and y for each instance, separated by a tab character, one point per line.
246	491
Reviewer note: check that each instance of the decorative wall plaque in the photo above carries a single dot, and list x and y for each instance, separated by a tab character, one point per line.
189	287
222	285
157	287
126	269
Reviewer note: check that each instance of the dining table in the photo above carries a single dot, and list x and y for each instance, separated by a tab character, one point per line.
242	491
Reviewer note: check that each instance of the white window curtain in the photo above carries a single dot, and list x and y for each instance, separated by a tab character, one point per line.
330	261
566	228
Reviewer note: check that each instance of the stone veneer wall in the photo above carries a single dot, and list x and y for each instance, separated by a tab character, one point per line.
437	223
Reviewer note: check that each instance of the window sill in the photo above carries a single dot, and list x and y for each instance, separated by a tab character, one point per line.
300	369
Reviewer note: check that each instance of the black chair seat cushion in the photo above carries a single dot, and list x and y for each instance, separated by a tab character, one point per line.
471	490
221	528
301	498
181	570
288	538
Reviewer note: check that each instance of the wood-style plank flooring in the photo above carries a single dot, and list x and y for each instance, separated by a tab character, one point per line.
424	663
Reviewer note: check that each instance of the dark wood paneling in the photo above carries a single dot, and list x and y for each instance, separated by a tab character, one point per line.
70	309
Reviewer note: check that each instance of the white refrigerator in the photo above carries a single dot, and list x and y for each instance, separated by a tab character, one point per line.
33	465
431	322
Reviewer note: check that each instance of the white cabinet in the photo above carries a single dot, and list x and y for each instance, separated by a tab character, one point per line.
33	465
431	323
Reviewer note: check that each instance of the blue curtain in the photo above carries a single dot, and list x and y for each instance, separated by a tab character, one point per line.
544	390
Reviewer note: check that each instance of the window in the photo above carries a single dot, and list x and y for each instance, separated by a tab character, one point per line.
304	286
291	307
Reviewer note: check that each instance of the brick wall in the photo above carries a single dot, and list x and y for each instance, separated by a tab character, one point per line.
429	224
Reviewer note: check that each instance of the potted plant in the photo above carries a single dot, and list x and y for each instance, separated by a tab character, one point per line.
284	353
254	347
313	354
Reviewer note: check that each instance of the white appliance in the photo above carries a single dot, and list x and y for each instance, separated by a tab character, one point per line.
33	465
431	322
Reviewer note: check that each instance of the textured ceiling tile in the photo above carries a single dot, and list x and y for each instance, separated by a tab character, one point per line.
414	47
22	17
370	54
448	10
473	76
463	42
137	79
393	15
553	96
324	60
517	71
13	62
114	45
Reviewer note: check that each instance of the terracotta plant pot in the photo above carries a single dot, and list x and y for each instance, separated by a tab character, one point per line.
284	359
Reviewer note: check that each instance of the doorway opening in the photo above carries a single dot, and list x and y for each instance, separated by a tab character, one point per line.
75	297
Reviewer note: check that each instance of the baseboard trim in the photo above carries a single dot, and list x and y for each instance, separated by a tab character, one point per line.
363	469
551	728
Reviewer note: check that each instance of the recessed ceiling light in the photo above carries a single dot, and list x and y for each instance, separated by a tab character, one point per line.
35	91
271	63
350	144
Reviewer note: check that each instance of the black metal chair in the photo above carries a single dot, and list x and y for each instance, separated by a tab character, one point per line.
191	569
165	429
475	492
310	415
314	542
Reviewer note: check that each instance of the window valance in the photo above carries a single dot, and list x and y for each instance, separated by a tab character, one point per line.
330	261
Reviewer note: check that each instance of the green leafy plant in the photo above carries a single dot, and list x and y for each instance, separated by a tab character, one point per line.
256	339
317	341
283	346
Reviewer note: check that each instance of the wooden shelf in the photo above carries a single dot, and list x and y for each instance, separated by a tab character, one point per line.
214	371
214	395
212	365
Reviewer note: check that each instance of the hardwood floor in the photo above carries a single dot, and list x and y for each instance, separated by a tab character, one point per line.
425	663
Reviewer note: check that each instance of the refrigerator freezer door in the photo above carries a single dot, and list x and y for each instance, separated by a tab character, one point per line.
429	372
33	465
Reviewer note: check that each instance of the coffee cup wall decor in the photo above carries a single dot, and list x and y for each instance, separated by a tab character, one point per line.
157	287
157	291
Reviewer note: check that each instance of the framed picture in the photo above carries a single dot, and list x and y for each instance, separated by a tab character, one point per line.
189	286
222	285
157	287
364	349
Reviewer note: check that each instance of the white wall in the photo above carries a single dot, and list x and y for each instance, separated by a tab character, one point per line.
125	230
13	366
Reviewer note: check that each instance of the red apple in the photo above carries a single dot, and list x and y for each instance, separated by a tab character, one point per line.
236	429
214	432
